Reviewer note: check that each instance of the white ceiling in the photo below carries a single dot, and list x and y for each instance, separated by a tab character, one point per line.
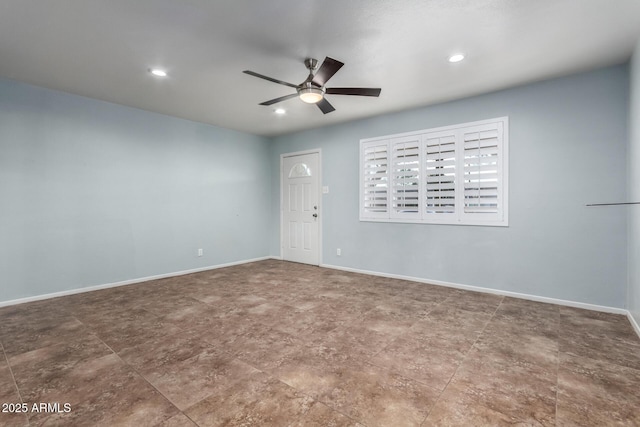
103	48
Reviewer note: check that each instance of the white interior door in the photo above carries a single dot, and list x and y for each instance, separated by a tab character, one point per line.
300	208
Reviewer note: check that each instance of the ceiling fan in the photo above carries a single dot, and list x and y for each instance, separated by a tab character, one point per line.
312	90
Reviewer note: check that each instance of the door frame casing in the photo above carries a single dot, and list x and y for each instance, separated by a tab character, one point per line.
320	204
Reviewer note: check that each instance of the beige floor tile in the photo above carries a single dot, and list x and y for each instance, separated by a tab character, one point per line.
457	408
102	391
320	415
257	399
511	386
286	344
375	396
11	412
595	392
179	420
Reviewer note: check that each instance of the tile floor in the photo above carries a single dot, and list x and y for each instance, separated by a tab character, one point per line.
283	344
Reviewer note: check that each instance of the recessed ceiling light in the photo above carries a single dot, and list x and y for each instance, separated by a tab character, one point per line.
158	72
456	58
280	111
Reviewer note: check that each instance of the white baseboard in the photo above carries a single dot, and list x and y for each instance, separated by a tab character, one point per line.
634	323
127	282
485	290
556	301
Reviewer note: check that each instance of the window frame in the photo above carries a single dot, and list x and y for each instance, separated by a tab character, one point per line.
499	218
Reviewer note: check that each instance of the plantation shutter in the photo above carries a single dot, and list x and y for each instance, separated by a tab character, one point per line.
482	171
375	179
448	175
440	174
405	177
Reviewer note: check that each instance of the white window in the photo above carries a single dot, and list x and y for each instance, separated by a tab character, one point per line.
450	175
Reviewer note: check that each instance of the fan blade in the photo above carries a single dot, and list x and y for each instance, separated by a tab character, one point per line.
251	73
359	91
276	100
328	68
325	106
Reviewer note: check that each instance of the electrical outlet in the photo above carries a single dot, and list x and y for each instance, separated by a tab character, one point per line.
339	252
200	252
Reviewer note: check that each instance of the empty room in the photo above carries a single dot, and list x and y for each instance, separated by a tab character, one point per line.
319	213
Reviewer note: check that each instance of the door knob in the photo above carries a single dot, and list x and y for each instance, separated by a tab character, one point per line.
315	215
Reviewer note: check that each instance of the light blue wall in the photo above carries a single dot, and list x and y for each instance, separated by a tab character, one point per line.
94	193
634	188
568	140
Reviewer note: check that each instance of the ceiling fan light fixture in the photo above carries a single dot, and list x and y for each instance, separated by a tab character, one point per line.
311	95
312	90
